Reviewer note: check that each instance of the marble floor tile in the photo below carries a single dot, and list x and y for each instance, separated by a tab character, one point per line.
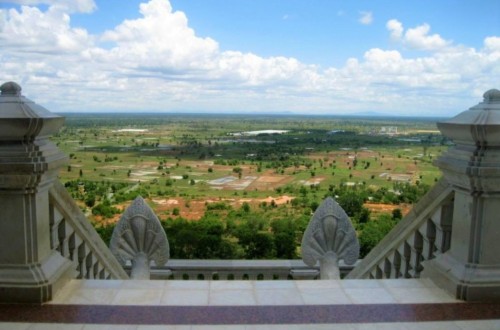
324	296
274	284
138	297
278	297
110	327
231	285
144	284
55	326
187	285
360	284
420	295
91	297
185	297
232	298
317	284
479	325
369	296
14	326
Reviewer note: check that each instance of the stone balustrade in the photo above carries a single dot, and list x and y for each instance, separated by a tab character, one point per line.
421	235
72	235
182	269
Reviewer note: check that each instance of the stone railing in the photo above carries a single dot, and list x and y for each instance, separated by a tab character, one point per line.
180	269
422	234
75	239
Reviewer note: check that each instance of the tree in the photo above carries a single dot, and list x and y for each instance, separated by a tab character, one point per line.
202	239
397	214
364	215
245	207
284	238
373	232
351	201
90	200
256	242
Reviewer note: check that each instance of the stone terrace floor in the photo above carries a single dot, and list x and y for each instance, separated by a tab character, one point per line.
290	305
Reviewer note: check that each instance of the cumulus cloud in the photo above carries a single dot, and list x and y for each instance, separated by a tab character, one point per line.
419	38
416	38
158	62
160	38
32	30
366	17
396	28
492	44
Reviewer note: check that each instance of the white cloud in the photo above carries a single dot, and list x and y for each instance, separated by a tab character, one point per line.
419	38
161	38
492	44
416	38
32	30
396	29
366	17
157	62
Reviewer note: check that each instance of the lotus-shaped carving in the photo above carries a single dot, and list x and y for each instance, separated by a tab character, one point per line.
329	237
140	238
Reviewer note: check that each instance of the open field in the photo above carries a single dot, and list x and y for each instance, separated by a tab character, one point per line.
191	159
184	164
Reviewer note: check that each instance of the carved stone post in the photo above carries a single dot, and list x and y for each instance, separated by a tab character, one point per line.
328	238
139	237
470	269
30	271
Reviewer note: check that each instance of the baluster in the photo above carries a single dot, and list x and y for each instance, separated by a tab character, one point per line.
55	218
405	251
442	221
82	253
63	247
73	242
396	265
89	262
428	232
416	254
387	267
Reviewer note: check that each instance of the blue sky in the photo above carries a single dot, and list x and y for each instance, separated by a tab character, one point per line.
252	56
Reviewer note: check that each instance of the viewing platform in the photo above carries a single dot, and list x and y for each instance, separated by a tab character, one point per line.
308	304
439	268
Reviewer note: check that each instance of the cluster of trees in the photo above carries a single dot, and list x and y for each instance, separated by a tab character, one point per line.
267	232
244	234
262	233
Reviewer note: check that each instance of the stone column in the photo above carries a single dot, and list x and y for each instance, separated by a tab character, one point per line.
471	268
30	271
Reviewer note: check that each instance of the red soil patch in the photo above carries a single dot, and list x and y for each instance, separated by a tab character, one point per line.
376	209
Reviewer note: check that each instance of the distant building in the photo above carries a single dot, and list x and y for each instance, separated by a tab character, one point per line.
389	130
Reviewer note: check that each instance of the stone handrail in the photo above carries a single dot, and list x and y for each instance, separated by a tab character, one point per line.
421	235
72	235
182	269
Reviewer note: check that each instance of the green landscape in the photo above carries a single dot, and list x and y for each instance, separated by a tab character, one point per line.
243	186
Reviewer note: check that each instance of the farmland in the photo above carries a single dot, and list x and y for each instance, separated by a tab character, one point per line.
253	171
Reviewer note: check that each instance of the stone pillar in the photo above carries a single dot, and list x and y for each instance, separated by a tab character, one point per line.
30	271
470	269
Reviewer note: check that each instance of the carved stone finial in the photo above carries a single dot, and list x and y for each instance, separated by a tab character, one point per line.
10	88
493	95
329	237
139	237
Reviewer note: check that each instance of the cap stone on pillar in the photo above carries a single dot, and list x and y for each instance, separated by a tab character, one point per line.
30	271
471	267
